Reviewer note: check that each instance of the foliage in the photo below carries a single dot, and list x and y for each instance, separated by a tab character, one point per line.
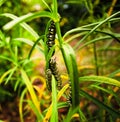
18	41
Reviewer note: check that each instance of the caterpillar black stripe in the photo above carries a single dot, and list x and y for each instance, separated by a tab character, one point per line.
48	75
51	35
55	72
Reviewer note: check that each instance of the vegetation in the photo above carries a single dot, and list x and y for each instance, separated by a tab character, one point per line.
85	43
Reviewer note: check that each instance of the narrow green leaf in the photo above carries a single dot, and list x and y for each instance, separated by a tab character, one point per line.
105	38
80	29
75	36
6	74
30	89
1	2
109	49
23	24
21	104
97	26
82	116
100	79
26	17
114	73
109	91
8	59
71	112
54	116
89	25
17	83
29	42
62	105
34	45
45	3
5	92
37	113
71	64
113	113
10	75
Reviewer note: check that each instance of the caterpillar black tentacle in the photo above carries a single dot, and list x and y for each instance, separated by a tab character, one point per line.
48	75
55	72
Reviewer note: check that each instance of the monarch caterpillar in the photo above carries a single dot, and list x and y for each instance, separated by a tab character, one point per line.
55	72
69	97
51	35
48	75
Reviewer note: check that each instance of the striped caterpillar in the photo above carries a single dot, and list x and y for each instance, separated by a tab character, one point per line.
51	36
55	72
48	75
69	96
52	69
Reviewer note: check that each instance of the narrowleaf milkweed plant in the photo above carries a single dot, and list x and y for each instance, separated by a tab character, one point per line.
47	48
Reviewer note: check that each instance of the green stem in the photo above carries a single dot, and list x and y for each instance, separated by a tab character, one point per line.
95	57
59	34
55	10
